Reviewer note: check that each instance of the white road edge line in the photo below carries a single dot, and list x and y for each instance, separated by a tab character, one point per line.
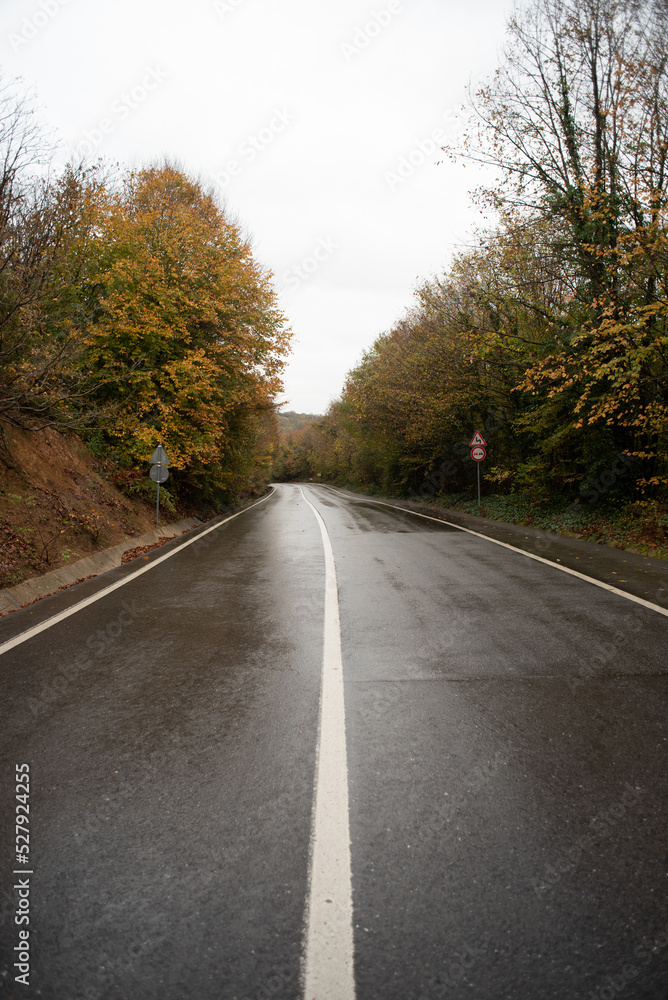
529	555
36	629
329	968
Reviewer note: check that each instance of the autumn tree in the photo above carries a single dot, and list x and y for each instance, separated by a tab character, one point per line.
576	121
552	327
132	306
45	222
187	339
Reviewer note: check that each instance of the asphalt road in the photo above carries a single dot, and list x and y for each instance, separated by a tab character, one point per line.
506	736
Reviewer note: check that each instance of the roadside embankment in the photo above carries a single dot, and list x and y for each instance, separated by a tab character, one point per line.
59	505
25	593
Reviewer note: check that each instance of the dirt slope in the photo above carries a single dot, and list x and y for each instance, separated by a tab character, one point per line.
55	506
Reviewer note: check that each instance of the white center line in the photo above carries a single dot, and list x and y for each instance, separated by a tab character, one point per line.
329	970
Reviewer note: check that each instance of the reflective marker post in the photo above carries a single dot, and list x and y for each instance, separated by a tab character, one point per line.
159	473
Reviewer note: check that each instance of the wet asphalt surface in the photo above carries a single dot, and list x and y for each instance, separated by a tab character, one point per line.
507	751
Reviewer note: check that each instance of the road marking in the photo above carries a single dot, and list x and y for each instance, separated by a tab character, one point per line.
36	629
329	970
513	548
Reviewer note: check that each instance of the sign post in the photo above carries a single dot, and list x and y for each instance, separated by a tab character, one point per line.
159	473
477	445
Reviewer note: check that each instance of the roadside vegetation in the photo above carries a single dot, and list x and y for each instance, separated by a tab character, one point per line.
133	310
550	334
293	458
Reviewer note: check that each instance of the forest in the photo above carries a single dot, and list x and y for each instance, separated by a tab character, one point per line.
549	333
133	311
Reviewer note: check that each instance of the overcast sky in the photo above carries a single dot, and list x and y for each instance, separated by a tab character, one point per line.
315	120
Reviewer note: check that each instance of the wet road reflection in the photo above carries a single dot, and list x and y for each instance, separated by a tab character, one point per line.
506	733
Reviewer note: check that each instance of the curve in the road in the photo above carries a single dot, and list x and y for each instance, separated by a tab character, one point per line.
529	555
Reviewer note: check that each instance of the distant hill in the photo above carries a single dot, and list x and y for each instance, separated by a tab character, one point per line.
291	421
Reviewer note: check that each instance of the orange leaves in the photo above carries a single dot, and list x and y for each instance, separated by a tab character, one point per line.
188	320
560	315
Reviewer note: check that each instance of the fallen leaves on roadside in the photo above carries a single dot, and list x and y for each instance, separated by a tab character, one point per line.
141	550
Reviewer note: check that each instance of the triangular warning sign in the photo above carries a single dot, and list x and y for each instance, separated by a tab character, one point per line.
159	456
477	439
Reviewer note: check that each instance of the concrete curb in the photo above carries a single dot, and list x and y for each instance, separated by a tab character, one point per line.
42	586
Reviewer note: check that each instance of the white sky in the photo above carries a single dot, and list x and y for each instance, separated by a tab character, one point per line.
316	103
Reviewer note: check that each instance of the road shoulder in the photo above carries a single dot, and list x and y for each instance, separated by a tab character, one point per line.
28	616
